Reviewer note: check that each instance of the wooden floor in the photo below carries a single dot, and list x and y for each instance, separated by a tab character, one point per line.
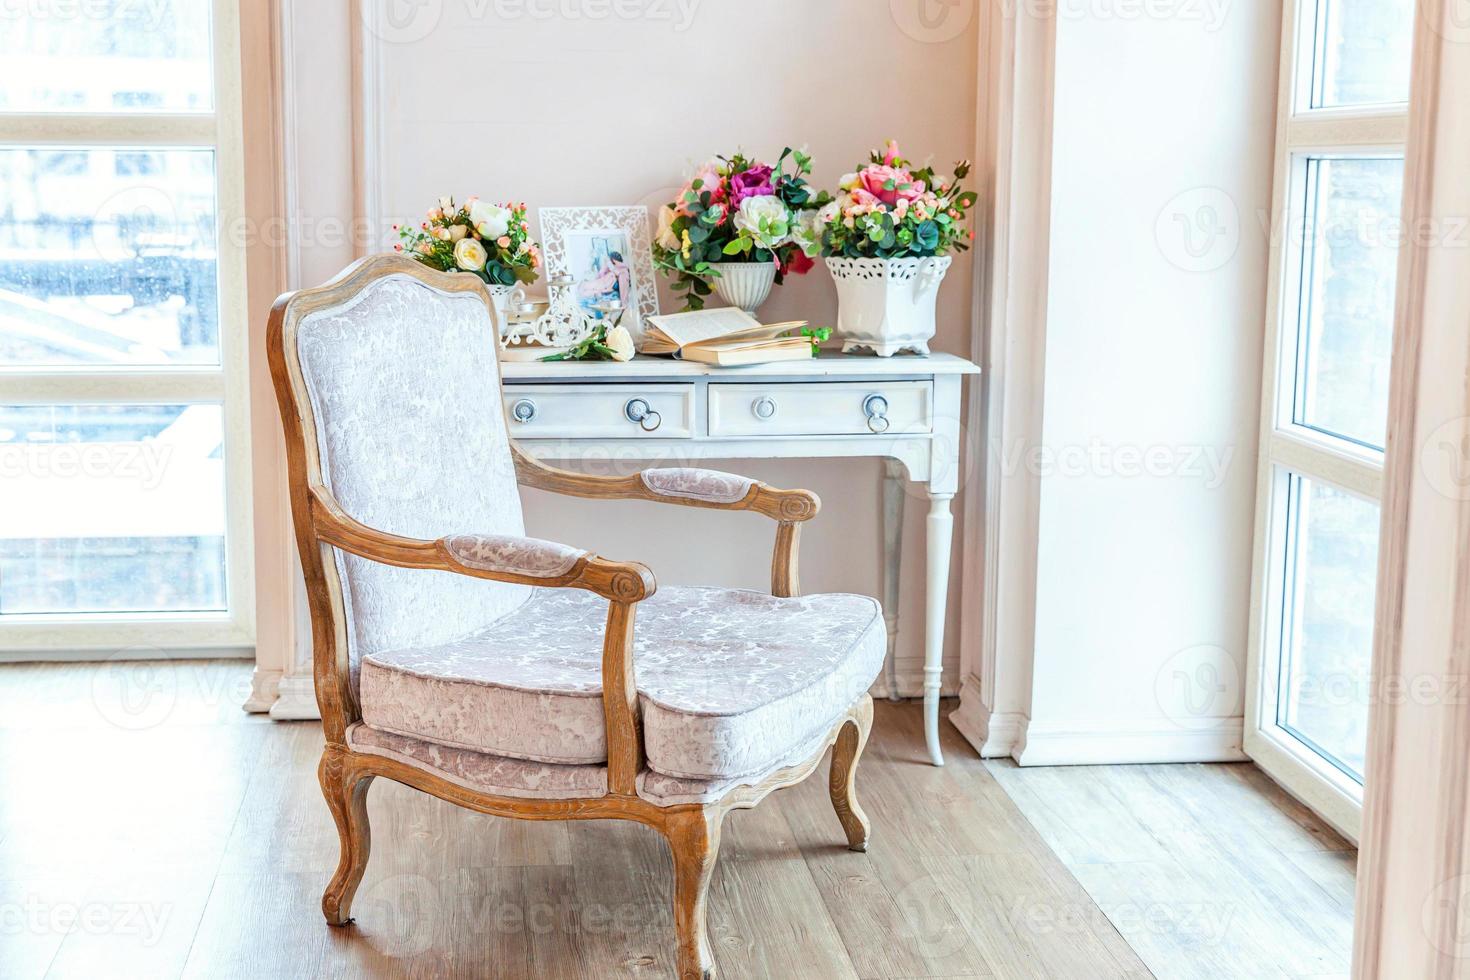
148	828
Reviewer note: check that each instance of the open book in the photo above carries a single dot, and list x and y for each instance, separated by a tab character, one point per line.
726	336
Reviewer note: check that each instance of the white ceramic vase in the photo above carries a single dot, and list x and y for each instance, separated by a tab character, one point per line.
745	284
887	305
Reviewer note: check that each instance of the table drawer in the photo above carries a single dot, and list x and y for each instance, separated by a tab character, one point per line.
825	409
585	411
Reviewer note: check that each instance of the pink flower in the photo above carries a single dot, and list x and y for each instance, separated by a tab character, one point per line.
755	182
890	153
503	241
875	177
860	201
709	179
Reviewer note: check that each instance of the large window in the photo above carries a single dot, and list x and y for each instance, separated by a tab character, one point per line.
124	503
1336	231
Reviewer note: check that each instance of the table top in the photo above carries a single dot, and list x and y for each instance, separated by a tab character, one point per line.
828	365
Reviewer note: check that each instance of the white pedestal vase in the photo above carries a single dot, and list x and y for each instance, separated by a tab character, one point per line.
744	284
887	305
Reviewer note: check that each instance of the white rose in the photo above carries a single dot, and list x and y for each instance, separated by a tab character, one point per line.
446	204
848	182
470	255
808	232
666	237
765	219
620	342
828	212
490	220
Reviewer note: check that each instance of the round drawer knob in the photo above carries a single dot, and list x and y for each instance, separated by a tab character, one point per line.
764	407
875	407
638	410
523	411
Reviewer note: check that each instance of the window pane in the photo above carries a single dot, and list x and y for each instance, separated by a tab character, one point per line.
107	257
105	56
1362	52
109	508
1345	318
1327	624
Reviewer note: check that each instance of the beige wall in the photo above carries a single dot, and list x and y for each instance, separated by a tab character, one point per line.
552	104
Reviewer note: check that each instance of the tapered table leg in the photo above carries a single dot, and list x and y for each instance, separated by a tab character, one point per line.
940	529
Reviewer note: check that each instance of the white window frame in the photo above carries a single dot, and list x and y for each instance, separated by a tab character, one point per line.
231	632
1285	447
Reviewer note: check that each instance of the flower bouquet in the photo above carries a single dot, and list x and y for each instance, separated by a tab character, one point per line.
491	241
885	238
741	225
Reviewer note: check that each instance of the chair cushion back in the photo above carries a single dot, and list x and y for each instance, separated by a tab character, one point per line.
405	387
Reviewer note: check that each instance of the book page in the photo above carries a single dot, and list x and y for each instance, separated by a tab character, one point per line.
698	325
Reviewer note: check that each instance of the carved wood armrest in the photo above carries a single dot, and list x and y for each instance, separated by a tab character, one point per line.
528	561
501	558
692	488
686	486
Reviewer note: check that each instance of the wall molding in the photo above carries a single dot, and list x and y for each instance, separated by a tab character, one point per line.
995	735
296	699
1113	743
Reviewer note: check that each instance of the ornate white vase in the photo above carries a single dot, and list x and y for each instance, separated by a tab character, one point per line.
745	284
887	305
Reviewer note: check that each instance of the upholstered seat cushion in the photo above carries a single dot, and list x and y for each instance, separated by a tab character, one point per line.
518	778
730	683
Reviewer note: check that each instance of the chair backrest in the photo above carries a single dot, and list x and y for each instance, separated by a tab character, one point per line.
403	408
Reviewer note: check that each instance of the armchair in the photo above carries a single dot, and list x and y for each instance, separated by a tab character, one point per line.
520	677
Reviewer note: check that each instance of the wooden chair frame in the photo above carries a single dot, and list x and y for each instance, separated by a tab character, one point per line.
692	830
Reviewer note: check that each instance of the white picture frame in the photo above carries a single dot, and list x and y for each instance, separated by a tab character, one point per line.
608	251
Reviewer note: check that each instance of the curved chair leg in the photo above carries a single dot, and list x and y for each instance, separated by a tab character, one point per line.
694	839
845	754
347	798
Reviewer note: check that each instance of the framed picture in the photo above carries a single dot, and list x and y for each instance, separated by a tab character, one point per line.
607	252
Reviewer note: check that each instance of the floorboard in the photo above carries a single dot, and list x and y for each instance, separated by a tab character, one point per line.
148	828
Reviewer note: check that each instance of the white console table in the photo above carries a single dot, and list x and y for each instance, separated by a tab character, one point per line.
903	409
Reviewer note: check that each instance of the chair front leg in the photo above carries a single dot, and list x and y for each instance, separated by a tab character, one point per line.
694	839
346	793
845	755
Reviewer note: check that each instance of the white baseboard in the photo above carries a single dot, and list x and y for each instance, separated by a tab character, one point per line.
1122	743
994	734
265	687
296	700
